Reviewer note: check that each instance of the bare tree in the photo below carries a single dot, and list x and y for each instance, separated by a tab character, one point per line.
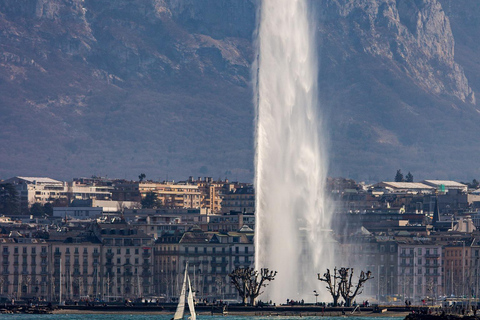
256	283
240	278
348	289
249	282
333	285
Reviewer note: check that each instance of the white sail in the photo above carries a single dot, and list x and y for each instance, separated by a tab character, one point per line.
191	304
181	300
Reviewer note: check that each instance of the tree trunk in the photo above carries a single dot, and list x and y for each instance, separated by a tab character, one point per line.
348	302
335	301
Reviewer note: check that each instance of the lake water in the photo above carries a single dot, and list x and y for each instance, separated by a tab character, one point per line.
127	316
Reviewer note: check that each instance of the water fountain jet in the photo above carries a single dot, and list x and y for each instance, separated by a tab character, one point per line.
292	215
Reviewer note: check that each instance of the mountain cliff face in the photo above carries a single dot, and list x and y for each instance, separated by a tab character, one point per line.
395	89
163	87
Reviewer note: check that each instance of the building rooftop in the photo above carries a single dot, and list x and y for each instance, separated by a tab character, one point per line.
39	180
407	185
446	183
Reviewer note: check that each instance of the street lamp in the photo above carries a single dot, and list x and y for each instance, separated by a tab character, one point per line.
315	293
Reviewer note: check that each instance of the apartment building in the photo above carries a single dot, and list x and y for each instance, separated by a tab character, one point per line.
127	256
211	257
420	262
239	200
26	269
460	267
42	190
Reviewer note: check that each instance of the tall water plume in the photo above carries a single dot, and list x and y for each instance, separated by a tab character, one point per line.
292	215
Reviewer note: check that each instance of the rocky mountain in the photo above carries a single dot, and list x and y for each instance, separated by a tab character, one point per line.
163	87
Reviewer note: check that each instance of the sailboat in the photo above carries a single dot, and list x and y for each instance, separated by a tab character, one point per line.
179	313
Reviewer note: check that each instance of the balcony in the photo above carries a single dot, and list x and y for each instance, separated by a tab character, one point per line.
96	254
146	254
406	255
432	255
43	254
109	255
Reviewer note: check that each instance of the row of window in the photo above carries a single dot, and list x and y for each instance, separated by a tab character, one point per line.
433	251
127	251
196	250
24	250
75	250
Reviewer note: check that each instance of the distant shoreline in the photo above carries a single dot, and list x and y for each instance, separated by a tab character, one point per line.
285	311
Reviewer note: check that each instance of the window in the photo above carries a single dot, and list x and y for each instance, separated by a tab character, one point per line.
127	251
76	250
24	249
85	250
119	251
15	250
118	260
